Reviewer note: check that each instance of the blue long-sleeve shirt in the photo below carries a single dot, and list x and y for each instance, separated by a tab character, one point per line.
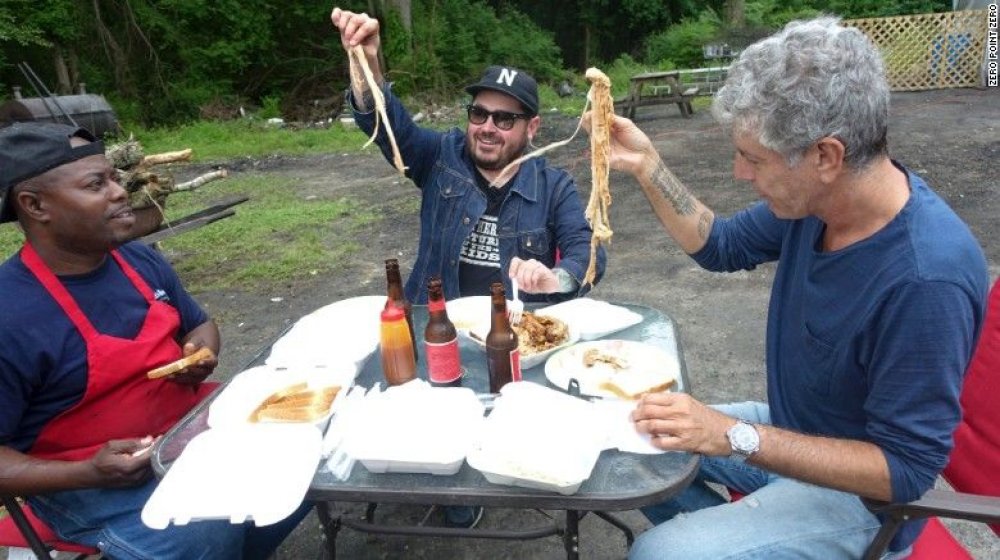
869	342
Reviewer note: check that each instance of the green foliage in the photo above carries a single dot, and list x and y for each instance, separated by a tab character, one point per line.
681	44
270	107
454	40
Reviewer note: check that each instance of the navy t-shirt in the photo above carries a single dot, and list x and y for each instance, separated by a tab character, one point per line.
479	261
43	358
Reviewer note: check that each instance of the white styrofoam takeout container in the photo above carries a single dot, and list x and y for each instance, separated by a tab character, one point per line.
414	428
248	389
539	438
259	472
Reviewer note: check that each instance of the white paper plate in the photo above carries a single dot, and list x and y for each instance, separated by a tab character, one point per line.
259	472
593	319
248	389
648	366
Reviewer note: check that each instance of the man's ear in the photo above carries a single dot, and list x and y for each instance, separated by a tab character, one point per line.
31	204
830	154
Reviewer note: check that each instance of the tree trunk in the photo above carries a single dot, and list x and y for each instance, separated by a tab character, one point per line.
735	16
405	13
63	85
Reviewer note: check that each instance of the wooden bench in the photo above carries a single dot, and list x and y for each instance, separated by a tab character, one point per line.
214	213
657	88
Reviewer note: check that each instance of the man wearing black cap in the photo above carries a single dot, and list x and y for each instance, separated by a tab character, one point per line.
84	314
473	234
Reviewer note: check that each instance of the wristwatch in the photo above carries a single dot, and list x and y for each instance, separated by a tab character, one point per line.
743	439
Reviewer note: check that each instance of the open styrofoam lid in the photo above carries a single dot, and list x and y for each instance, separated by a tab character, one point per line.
259	472
346	331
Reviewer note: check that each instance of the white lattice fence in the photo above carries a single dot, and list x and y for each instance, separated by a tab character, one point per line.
929	51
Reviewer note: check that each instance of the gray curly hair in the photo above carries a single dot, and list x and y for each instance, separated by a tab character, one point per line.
813	79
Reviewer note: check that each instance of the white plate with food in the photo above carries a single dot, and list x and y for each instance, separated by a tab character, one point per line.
623	369
593	319
538	336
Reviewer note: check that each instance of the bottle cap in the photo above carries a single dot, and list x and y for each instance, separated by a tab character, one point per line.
392	313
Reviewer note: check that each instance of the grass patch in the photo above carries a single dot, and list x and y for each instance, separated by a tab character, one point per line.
287	236
277	236
223	140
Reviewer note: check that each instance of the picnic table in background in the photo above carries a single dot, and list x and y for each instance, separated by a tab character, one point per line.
656	88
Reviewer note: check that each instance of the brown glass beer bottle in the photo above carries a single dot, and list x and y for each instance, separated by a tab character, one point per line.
396	347
394	292
503	360
444	367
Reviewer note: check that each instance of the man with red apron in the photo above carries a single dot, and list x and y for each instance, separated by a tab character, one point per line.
84	314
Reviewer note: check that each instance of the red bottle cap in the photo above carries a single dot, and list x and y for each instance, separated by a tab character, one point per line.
392	313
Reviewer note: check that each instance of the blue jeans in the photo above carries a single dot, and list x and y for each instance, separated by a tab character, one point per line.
108	519
778	518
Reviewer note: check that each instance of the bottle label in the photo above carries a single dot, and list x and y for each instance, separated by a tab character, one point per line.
437	305
443	363
515	365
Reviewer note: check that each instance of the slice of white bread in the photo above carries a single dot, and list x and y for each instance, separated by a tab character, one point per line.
634	384
296	403
204	353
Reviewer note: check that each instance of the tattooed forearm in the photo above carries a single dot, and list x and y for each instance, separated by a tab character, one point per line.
668	185
704	224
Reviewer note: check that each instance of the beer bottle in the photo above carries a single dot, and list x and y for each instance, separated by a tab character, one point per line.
396	347
444	367
503	360
394	291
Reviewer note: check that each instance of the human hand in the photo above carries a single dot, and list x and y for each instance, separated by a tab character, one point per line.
197	372
678	422
123	462
533	277
357	29
631	150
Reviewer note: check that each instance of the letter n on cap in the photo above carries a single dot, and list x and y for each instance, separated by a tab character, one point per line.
507	76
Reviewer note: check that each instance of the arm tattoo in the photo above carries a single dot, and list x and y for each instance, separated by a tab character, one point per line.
704	224
673	190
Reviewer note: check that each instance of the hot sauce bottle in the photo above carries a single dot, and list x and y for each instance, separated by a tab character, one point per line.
503	359
395	296
444	367
396	347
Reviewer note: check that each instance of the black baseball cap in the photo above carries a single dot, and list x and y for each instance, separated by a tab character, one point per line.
513	82
28	149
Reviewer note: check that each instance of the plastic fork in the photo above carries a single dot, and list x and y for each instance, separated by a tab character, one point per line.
516	306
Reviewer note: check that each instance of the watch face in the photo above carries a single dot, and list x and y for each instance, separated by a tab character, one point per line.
743	437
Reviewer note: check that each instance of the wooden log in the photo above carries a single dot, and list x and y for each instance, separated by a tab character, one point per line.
166	157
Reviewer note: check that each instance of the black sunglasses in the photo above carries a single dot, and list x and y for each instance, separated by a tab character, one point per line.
501	119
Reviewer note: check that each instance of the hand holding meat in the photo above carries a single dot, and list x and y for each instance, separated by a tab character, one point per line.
357	29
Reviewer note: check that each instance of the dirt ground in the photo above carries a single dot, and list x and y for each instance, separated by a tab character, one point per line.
951	137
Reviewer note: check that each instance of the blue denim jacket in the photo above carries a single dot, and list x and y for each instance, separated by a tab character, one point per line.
543	212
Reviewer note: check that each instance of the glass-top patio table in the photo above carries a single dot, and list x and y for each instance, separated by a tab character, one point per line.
619	481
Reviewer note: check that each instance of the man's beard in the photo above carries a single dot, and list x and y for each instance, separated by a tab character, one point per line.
504	159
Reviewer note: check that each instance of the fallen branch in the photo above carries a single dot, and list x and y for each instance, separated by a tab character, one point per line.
201	180
166	157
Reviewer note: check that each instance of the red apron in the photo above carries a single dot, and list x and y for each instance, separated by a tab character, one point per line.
119	402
